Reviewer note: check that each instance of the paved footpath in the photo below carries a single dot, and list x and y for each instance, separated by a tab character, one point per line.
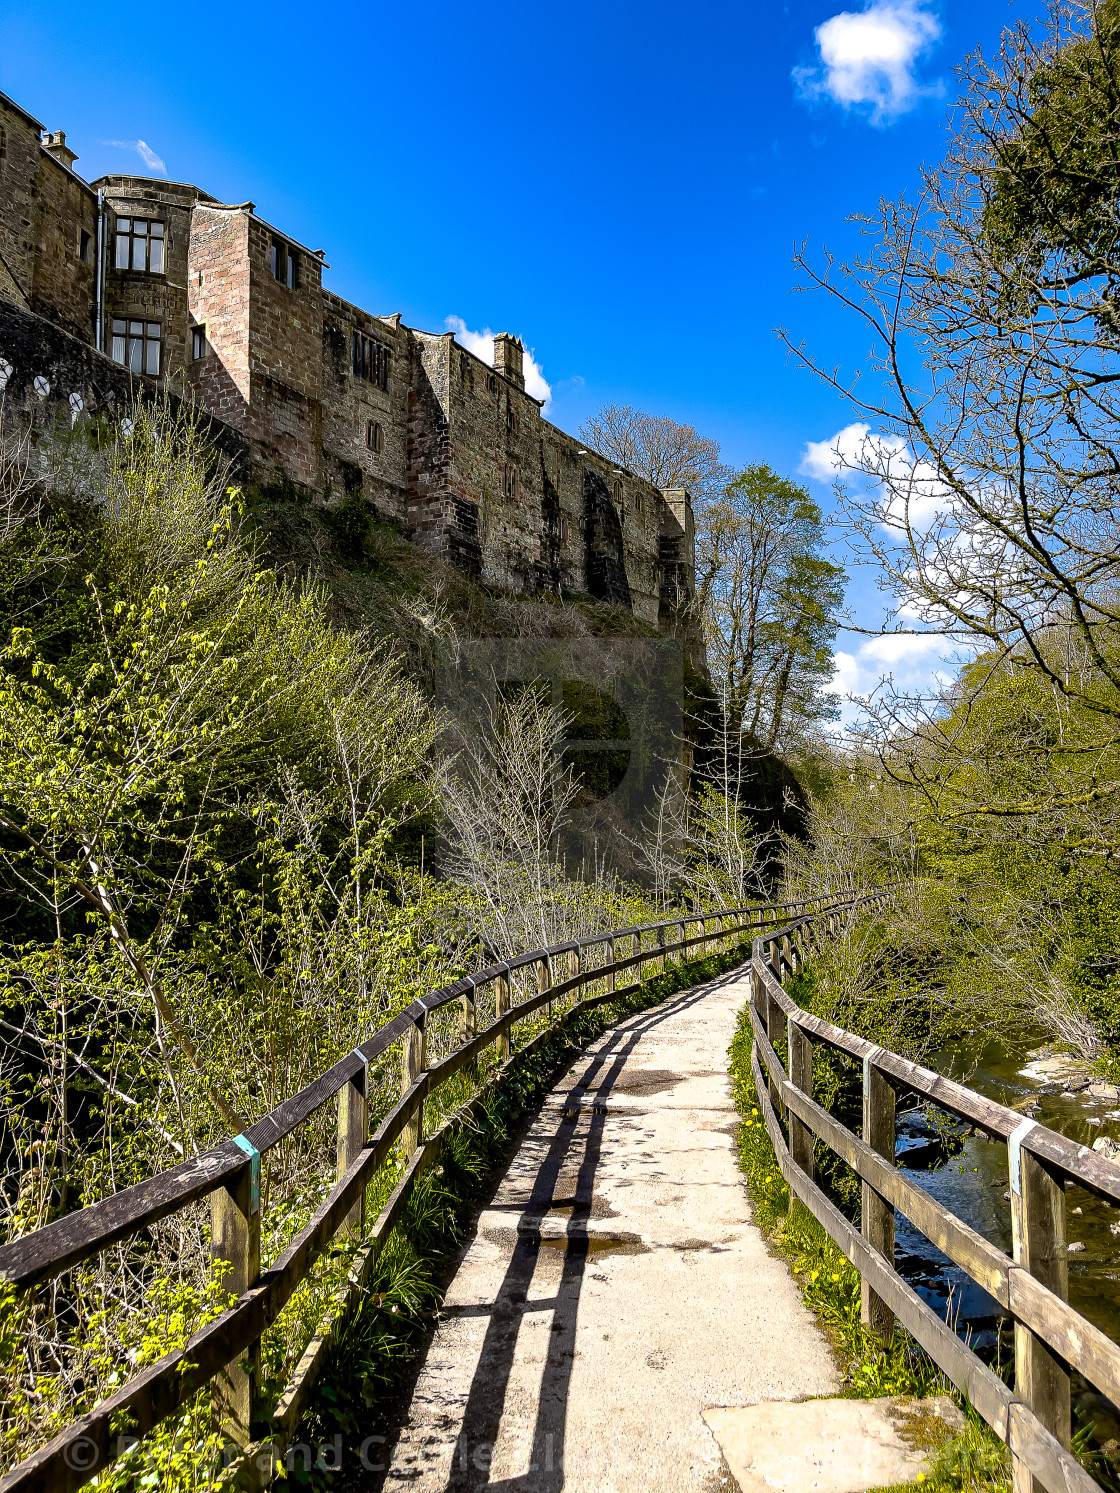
615	1288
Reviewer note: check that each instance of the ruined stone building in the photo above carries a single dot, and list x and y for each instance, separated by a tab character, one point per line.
132	282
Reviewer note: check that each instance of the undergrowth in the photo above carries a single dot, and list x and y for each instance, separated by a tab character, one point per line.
350	1422
974	1460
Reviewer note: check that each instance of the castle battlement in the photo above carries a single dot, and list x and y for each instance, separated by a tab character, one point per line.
131	280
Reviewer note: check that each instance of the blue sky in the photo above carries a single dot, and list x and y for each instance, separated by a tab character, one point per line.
621	184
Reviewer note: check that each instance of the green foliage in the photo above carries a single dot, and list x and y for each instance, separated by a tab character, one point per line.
1059	173
351	522
203	780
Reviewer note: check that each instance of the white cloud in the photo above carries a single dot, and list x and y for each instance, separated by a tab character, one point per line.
482	345
915	664
912	491
144	151
868	58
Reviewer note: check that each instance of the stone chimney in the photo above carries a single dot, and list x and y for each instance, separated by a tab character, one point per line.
507	358
54	143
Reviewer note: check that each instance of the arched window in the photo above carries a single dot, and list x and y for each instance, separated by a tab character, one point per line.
374	436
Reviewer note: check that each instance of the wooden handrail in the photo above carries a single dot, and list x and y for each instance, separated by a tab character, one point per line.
1051	1336
229	1172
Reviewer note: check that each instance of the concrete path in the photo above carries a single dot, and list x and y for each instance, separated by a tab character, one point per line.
615	1288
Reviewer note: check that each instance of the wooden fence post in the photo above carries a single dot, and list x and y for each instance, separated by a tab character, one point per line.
612	978
787	957
878	1214
800	1051
235	1238
638	952
775	1029
661	948
775	960
544	979
502	1002
413	1062
1038	1243
468	1016
577	969
353	1120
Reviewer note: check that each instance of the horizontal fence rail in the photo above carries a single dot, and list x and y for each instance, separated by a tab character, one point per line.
223	1351
1031	1284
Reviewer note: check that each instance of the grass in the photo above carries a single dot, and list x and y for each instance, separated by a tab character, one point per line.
362	1386
974	1460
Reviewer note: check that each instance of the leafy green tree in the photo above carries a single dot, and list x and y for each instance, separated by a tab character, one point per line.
1057	161
769	601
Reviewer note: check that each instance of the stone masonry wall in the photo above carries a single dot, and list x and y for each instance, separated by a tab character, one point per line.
44	210
495	468
71	369
162	297
351	403
433	520
586	485
285	358
218	300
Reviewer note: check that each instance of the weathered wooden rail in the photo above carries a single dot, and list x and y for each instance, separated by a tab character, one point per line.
224	1352
1051	1338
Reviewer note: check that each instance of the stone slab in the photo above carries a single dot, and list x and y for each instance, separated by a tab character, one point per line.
828	1446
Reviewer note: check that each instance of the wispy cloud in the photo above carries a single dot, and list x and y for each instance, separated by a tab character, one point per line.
482	345
868	58
143	150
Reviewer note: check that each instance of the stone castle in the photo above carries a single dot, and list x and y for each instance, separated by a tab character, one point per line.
130	282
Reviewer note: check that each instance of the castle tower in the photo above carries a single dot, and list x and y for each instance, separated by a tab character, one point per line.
508	354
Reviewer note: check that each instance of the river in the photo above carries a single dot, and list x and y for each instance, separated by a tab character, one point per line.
967	1173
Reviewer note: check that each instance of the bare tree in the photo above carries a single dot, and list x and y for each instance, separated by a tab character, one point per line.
507	796
664	451
987	457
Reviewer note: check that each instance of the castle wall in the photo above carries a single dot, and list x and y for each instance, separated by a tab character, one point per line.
611	522
452	449
73	370
285	358
45	208
495	467
218	302
139	294
351	404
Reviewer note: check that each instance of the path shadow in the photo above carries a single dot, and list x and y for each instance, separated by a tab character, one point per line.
579	1134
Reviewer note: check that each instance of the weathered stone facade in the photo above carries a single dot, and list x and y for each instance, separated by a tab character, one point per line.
162	285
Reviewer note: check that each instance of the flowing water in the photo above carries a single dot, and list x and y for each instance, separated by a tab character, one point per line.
967	1173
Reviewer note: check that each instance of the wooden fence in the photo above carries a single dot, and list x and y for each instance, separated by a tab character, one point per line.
224	1351
1031	1285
